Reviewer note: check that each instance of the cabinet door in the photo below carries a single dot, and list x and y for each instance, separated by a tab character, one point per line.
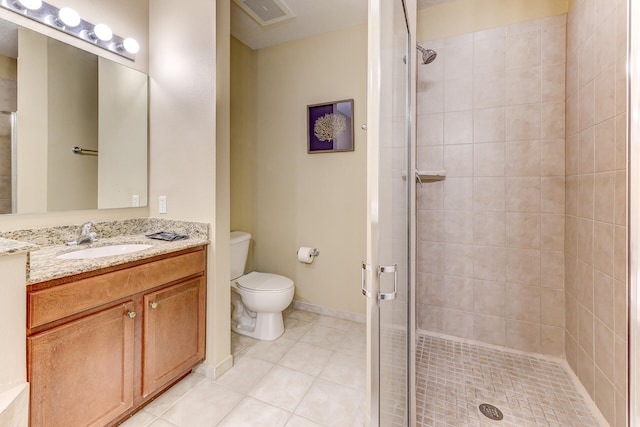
174	328
81	373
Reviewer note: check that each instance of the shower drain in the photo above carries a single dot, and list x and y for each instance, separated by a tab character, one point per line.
491	412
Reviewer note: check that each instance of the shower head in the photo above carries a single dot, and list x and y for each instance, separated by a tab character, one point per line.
428	55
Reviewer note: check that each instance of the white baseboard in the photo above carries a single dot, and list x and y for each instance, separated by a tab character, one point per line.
214	372
325	311
14	406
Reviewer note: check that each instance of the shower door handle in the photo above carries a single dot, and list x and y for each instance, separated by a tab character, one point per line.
363	272
384	269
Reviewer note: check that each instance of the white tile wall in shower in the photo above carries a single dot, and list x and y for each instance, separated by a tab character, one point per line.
491	112
596	202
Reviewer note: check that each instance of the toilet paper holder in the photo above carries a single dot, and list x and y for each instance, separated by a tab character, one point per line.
314	252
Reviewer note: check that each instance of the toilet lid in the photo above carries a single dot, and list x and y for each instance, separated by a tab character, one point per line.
255	281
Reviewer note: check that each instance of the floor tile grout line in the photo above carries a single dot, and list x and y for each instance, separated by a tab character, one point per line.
202	380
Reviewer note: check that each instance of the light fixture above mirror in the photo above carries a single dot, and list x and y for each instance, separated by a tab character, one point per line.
68	17
69	21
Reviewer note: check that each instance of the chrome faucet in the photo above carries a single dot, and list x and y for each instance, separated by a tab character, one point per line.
85	235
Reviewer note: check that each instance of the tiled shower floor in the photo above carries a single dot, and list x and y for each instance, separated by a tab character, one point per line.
314	375
454	378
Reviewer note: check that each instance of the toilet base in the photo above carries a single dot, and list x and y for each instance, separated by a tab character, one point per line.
267	327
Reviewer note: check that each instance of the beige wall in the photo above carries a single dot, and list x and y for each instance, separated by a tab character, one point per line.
122	135
476	15
300	199
13	313
8	68
491	113
243	139
219	328
188	163
33	118
595	239
72	97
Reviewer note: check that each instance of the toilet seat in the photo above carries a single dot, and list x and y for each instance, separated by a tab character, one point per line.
256	282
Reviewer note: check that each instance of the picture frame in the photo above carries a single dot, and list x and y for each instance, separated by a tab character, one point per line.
330	127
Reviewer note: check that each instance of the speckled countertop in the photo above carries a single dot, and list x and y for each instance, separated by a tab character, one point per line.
45	244
45	266
10	247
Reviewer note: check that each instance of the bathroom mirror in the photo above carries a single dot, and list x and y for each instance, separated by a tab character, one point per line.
78	135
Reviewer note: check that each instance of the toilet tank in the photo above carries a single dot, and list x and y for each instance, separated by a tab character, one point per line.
240	241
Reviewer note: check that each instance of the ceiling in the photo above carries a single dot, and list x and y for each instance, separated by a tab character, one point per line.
312	17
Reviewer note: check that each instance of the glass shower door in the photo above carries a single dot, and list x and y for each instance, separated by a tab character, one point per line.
386	271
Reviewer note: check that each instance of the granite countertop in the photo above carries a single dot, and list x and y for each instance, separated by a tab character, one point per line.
10	247
45	266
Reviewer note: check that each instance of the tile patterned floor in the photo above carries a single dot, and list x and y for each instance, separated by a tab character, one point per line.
314	375
393	360
454	378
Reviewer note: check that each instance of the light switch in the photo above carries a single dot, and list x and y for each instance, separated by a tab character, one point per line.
162	204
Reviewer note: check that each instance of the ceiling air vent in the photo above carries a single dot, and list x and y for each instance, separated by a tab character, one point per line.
266	12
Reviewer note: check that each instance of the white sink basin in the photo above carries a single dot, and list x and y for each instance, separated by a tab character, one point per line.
104	251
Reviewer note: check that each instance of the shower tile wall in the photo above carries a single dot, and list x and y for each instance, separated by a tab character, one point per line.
595	242
491	112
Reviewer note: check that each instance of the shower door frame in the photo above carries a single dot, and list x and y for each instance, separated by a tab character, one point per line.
633	214
375	83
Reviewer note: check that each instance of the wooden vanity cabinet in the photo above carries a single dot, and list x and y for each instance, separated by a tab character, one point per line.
173	333
82	372
97	365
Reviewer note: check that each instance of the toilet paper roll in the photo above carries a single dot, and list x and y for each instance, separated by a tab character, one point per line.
305	254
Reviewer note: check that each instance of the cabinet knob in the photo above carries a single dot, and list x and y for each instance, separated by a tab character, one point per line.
153	304
131	314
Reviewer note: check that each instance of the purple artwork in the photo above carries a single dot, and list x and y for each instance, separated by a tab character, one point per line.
330	127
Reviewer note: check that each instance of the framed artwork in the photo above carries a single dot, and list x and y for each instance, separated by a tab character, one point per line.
330	127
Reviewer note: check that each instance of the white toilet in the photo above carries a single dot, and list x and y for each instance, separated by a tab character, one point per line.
257	299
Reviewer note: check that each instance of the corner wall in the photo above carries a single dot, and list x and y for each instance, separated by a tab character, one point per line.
300	199
189	159
243	139
596	194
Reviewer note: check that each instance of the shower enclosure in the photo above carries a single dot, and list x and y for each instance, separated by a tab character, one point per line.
386	274
521	230
521	248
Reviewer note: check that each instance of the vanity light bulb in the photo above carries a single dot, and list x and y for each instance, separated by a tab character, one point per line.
103	32
31	4
69	17
131	45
